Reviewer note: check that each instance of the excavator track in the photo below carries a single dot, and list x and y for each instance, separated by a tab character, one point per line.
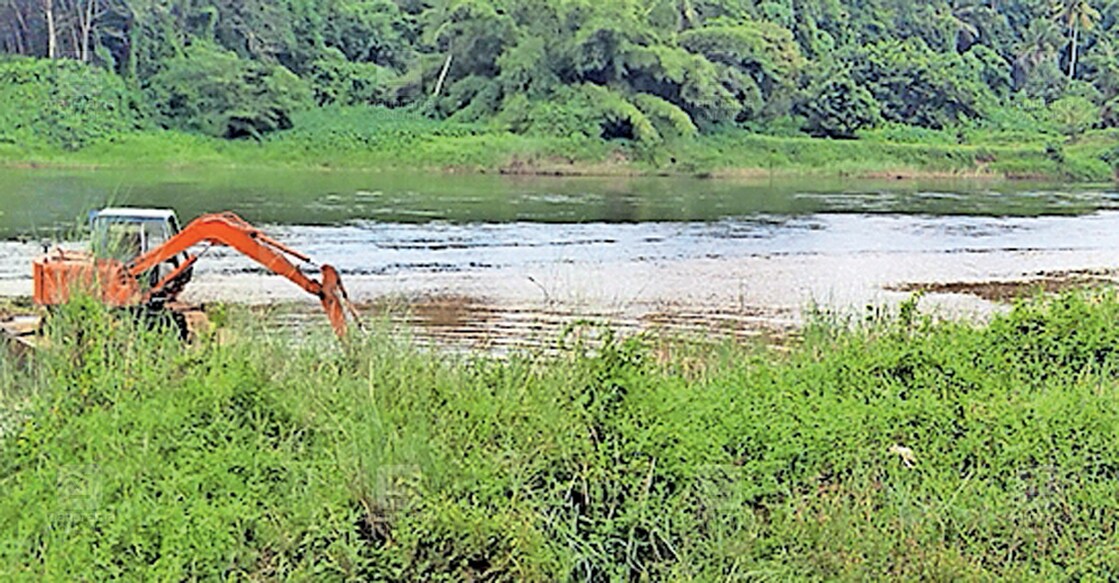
21	333
191	319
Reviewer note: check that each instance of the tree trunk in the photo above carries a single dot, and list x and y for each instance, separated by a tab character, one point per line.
443	75
1072	58
48	9
22	37
86	23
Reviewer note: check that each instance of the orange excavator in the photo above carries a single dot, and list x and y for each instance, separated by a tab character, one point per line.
140	258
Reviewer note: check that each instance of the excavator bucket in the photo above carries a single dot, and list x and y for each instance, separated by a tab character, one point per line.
336	301
331	300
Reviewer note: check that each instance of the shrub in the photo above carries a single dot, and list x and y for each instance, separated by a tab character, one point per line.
837	107
593	111
62	103
213	91
1074	115
336	81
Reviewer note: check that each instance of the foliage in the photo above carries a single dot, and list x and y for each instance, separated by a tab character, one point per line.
337	81
1073	115
212	91
618	72
765	56
669	120
837	107
1023	116
900	445
62	103
918	86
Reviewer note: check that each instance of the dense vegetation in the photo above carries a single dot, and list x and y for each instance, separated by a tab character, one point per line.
648	75
897	447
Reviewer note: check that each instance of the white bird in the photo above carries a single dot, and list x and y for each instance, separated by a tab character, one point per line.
907	456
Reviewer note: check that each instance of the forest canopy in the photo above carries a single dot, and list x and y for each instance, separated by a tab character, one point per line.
646	71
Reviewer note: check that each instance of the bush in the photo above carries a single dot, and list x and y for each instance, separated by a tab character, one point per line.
62	103
906	134
336	81
592	111
213	91
837	107
1073	115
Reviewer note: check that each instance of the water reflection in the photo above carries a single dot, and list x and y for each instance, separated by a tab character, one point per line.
48	201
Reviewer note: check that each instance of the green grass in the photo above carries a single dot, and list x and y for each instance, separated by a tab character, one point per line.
266	456
380	139
877	155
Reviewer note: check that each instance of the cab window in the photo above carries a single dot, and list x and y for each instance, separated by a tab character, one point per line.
125	240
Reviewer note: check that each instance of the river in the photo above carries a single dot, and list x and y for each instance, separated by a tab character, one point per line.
492	261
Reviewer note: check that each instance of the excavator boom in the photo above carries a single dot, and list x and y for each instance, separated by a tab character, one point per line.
232	231
118	284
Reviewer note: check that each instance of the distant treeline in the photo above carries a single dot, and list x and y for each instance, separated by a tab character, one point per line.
639	70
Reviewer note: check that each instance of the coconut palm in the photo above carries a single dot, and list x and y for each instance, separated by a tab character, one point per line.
1103	63
1075	15
1038	44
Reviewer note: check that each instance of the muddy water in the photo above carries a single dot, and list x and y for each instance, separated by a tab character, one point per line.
491	261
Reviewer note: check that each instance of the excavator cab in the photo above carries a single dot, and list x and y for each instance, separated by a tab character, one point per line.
124	234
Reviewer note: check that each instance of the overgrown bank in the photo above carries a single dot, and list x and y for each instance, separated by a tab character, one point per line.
66	114
901	447
379	139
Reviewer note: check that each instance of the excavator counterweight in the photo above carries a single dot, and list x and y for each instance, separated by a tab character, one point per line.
139	257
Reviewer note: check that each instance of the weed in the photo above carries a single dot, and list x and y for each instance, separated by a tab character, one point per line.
901	446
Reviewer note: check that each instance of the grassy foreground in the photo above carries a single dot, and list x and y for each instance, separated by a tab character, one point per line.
899	447
383	139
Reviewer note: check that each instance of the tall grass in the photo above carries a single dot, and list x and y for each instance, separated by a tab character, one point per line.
900	447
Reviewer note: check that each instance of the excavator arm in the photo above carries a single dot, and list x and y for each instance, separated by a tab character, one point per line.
231	230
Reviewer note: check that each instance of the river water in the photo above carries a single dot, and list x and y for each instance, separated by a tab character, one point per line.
491	259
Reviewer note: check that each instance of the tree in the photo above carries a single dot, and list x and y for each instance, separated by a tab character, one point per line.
62	102
991	67
52	34
1075	15
17	27
975	21
715	62
211	90
369	31
918	86
760	63
88	12
1038	45
1103	64
834	106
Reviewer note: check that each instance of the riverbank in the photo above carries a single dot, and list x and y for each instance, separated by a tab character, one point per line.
903	446
377	139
